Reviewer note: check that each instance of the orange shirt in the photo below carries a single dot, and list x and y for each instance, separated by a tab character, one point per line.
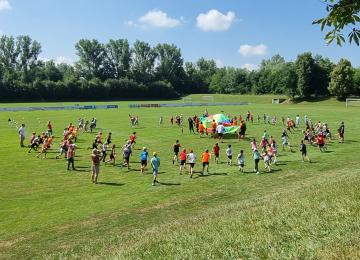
213	125
201	128
234	122
205	157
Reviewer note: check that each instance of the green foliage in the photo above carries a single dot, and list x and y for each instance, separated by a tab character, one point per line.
357	81
342	79
343	16
305	66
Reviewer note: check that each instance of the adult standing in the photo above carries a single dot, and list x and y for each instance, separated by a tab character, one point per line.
95	159
22	135
155	164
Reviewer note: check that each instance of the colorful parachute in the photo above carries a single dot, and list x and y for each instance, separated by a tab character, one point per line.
219	118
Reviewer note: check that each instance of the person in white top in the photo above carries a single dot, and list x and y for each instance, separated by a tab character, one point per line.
241	160
191	159
229	154
220	129
297	121
22	135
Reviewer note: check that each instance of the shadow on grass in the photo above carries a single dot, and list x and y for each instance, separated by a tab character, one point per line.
169	183
110	183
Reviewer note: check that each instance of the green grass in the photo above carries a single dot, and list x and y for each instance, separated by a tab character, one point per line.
300	210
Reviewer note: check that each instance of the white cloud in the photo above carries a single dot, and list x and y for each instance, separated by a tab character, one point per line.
256	50
58	60
4	5
250	67
63	59
155	18
214	20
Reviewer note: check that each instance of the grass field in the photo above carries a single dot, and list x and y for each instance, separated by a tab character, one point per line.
300	210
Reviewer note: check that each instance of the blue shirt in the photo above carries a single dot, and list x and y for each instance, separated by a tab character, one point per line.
144	156
155	163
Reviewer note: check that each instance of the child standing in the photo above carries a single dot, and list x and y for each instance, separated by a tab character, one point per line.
256	156
303	151
155	164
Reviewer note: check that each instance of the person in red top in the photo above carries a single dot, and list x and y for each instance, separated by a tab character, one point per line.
216	150
49	127
182	161
132	139
320	140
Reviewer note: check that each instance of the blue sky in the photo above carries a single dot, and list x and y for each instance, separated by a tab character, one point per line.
232	32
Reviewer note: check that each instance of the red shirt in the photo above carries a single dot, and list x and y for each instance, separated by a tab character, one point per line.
132	137
183	156
216	149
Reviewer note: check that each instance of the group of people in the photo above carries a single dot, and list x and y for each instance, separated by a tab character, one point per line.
266	149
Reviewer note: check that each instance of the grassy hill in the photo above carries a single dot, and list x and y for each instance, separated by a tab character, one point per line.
300	210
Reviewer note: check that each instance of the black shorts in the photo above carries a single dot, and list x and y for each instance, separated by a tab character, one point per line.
220	134
230	157
176	153
112	157
182	162
242	165
303	153
216	155
143	162
321	145
192	165
205	163
214	130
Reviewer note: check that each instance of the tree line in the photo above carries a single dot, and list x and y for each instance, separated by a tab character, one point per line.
116	70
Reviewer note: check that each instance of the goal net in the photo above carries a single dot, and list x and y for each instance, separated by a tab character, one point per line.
353	102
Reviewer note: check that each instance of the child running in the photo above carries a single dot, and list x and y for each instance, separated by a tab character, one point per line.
112	155
216	150
303	151
241	161
229	155
155	164
205	159
191	158
176	148
144	159
182	161
256	156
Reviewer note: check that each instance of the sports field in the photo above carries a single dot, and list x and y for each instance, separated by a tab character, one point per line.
299	210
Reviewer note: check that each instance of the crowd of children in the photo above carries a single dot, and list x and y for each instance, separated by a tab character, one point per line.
314	134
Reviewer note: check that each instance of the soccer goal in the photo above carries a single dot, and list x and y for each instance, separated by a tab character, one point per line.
352	102
187	99
208	98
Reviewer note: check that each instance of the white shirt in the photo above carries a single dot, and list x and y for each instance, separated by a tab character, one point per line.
228	151
22	131
191	158
104	147
220	129
241	158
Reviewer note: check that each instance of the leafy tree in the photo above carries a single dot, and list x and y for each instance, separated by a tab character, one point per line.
322	70
143	62
357	81
341	15
28	52
305	72
342	79
169	65
118	58
91	59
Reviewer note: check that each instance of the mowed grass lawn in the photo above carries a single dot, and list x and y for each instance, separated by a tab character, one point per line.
300	210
